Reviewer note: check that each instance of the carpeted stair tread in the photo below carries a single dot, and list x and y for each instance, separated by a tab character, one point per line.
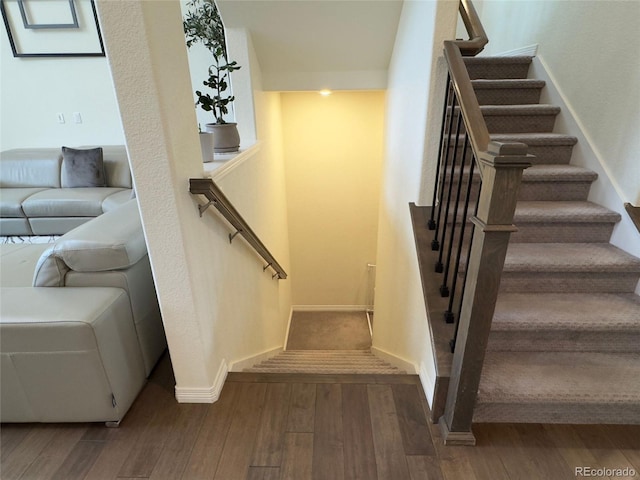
560	377
569	257
563	212
561	311
535	138
559	387
558	173
538	173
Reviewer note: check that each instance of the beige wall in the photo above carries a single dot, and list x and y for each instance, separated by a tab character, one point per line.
218	305
34	90
333	151
413	106
585	47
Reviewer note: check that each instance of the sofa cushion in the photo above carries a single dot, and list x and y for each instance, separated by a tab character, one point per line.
18	262
46	226
67	202
82	168
11	200
114	201
111	241
15	226
116	165
30	167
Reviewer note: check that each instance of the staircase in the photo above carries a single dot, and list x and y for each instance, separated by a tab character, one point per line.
325	362
565	340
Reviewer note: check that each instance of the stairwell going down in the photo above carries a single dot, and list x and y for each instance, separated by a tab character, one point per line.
564	345
322	342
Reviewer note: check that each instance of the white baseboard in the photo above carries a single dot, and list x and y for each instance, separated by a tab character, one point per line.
528	51
394	360
247	362
286	335
204	395
428	383
329	308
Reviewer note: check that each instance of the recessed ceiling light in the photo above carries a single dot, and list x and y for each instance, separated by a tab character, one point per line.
325	92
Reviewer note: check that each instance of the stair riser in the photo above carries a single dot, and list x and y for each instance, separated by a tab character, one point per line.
497	71
543	155
540	120
520	123
549	191
572	413
562	233
578	282
564	341
508	96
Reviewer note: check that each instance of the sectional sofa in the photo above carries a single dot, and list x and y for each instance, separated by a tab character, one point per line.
80	326
35	196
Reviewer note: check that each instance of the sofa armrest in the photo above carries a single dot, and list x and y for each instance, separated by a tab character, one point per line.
112	241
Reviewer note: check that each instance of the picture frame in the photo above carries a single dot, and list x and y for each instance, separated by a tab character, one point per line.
52	28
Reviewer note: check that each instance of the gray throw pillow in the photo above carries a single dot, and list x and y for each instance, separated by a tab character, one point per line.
82	168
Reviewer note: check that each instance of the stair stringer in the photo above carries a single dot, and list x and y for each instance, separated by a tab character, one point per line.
605	191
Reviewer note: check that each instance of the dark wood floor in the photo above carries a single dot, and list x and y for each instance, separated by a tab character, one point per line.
310	427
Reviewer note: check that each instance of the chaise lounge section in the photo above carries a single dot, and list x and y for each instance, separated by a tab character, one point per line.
80	326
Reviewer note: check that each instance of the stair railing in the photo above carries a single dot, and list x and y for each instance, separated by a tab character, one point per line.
207	187
472	220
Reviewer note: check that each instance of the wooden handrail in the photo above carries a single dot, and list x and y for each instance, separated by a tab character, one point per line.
477	36
207	187
501	166
471	113
634	213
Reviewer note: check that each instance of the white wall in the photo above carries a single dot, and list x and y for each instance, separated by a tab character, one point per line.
34	90
218	305
333	149
400	325
586	48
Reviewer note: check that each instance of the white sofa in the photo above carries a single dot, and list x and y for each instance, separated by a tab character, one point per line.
80	326
33	201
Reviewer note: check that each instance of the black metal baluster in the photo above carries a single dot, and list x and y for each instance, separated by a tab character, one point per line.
431	223
444	288
434	244
439	265
452	343
449	316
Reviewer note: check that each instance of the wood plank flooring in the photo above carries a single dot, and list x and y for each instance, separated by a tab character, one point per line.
315	427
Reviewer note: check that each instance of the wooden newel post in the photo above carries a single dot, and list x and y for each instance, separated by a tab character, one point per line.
502	167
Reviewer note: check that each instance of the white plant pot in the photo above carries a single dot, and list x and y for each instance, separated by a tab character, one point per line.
207	145
226	137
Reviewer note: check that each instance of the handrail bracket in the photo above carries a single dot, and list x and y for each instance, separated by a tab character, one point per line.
207	187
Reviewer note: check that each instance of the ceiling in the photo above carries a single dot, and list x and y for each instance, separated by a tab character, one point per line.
313	44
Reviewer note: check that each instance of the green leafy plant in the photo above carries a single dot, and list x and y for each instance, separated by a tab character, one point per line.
202	24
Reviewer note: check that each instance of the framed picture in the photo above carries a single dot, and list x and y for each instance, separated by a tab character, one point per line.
52	28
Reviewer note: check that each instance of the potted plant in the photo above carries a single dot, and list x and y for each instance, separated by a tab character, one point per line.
202	24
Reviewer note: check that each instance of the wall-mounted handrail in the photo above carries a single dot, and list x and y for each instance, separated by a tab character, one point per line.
207	187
